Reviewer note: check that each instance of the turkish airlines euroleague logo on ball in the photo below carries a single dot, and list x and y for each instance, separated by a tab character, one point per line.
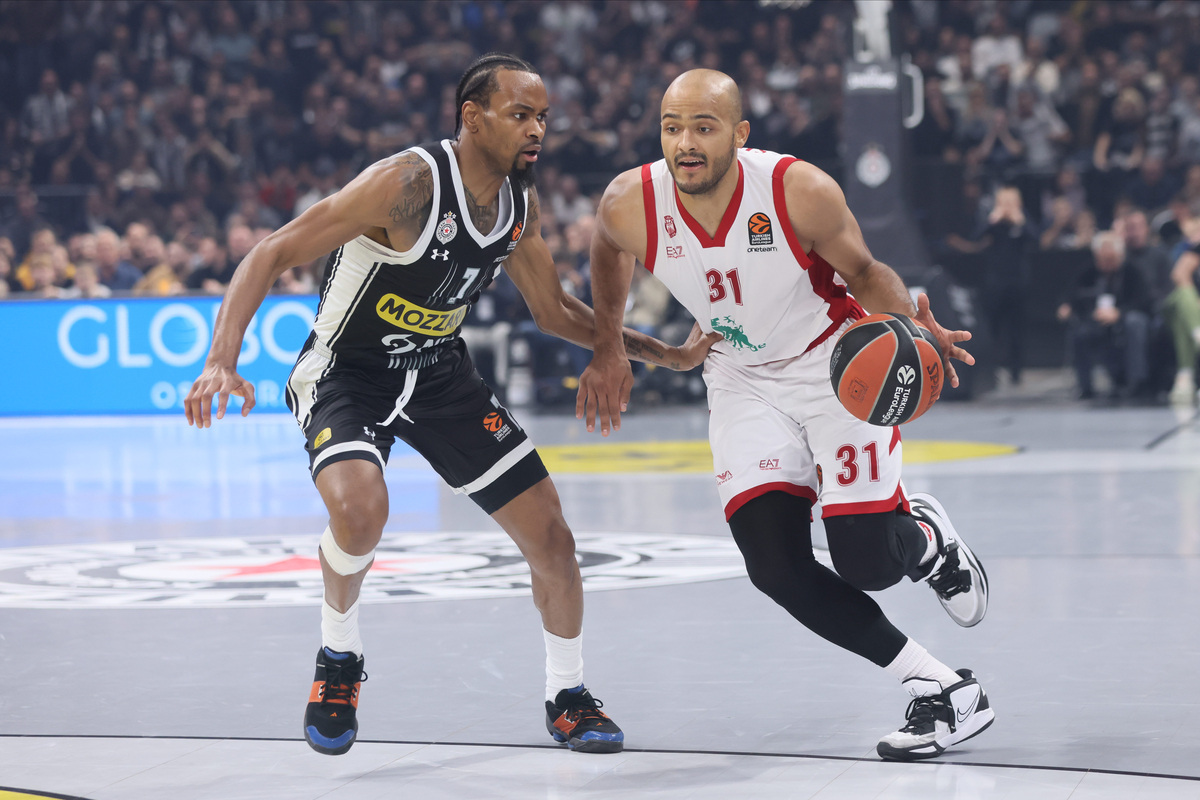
493	422
760	229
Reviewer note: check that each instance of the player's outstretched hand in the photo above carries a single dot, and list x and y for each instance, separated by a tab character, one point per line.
693	352
220	382
604	389
947	340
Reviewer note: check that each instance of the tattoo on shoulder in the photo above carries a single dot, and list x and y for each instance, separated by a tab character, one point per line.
415	200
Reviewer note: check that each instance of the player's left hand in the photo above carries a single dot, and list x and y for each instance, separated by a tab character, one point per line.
947	340
693	352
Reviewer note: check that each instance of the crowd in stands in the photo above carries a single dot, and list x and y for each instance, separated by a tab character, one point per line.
196	128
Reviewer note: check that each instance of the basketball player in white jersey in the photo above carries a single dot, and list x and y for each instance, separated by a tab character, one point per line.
414	240
762	249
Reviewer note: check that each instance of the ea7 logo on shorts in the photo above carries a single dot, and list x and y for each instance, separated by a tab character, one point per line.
760	229
724	477
906	375
769	464
669	224
674	252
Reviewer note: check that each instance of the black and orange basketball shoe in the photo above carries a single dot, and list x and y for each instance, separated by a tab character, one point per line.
331	718
575	718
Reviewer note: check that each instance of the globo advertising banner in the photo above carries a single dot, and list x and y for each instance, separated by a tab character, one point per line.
137	355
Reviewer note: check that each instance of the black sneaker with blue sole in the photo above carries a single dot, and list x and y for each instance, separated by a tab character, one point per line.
575	719
331	718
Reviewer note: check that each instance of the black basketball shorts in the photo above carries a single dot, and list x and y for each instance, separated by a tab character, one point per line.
444	411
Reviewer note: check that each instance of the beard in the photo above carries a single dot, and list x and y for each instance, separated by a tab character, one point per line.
719	167
521	178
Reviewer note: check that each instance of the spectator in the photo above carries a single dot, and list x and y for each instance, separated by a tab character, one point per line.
1007	245
995	48
161	279
43	243
1152	188
45	119
1182	312
19	229
1151	260
1109	312
567	203
1040	131
87	285
114	272
211	271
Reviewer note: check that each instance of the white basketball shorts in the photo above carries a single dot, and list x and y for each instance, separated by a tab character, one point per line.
779	427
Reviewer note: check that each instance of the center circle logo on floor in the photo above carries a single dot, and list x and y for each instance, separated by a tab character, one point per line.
284	571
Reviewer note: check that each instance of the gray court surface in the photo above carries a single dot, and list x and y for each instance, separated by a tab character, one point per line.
1090	533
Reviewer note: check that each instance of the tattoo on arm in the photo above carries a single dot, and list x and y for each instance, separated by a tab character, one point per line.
531	216
416	194
633	347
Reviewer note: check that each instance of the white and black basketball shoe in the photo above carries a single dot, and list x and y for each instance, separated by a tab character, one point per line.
938	718
957	576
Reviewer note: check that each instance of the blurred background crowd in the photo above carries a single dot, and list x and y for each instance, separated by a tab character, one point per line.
145	147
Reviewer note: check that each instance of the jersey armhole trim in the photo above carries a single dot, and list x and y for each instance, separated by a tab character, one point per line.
781	211
651	218
413	253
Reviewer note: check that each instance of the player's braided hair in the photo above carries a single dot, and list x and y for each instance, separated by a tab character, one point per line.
478	83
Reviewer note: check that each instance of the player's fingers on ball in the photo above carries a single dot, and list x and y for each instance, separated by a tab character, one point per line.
963	356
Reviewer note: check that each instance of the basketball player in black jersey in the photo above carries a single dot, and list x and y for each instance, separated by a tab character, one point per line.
414	240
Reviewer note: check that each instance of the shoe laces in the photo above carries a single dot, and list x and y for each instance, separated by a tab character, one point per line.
340	680
950	579
923	712
583	707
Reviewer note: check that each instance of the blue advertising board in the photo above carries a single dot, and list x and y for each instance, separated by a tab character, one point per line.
136	355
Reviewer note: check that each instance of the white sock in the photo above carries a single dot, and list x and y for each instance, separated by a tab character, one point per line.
564	663
340	631
931	541
914	661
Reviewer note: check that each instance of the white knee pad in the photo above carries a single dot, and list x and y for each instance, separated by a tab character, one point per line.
339	560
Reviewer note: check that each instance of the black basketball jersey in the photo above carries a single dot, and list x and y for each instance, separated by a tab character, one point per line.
381	309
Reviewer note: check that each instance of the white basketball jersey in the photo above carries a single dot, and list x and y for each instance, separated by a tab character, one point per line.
752	282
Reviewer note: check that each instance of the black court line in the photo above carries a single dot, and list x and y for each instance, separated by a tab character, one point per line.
750	754
1162	437
39	794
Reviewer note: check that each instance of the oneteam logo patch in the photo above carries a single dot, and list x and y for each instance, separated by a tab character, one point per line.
409	316
322	438
760	230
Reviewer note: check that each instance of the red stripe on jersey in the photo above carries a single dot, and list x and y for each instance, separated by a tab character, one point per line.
651	218
731	211
895	439
897	500
841	305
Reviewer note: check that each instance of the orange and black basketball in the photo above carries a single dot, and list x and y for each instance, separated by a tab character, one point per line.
886	369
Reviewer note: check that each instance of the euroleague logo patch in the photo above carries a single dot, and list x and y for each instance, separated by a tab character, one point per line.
760	230
285	571
496	424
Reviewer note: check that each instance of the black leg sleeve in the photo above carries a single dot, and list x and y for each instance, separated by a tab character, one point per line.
774	534
874	551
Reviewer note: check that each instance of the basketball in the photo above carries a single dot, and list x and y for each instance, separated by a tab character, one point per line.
886	369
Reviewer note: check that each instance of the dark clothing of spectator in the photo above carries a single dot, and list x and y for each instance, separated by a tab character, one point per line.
222	274
1121	346
123	277
1152	196
1155	268
1006	287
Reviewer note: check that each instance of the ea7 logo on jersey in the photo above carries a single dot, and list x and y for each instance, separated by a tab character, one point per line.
411	317
906	374
447	229
760	230
674	252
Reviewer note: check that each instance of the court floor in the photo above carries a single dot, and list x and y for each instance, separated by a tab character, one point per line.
159	618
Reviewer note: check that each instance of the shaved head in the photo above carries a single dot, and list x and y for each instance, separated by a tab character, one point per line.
707	87
702	128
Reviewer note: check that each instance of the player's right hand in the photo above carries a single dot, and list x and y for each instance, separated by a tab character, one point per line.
221	382
604	389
